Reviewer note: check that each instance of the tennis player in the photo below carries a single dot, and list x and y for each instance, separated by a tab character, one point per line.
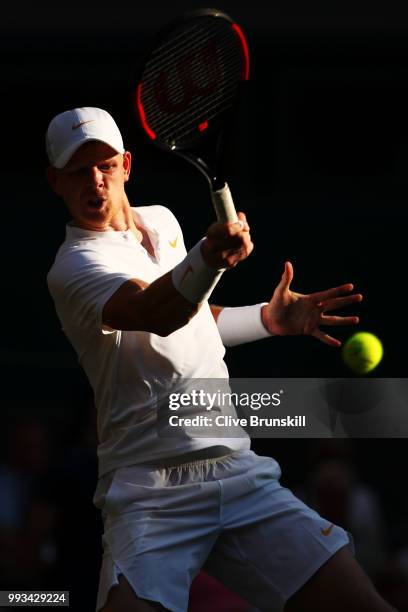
135	306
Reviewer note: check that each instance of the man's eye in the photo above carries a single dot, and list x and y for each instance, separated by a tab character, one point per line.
106	167
79	171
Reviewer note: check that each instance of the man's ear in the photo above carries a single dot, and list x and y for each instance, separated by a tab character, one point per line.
51	174
127	164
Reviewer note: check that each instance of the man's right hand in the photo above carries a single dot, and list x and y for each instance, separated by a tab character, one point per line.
227	244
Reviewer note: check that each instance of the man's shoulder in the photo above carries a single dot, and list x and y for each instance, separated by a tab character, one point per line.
78	250
74	257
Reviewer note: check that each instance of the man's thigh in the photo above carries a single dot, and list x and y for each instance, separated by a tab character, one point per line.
339	585
271	546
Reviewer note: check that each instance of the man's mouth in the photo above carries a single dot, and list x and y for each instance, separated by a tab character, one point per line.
96	202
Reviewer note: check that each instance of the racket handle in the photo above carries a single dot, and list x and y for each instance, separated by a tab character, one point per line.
224	205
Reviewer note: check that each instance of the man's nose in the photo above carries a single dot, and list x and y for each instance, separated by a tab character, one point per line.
96	176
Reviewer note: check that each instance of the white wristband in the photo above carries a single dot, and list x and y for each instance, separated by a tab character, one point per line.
193	278
242	324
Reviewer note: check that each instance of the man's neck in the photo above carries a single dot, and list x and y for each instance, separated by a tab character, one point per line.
124	220
121	220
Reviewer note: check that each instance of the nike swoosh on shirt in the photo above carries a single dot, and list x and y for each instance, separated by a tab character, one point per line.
326	531
173	243
78	125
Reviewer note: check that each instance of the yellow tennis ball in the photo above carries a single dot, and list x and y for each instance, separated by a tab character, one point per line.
362	352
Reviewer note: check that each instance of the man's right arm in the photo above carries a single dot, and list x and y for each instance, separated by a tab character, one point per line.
160	308
157	308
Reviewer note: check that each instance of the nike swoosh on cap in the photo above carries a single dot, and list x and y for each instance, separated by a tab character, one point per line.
173	243
78	125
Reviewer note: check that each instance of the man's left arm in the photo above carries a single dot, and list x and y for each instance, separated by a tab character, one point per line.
288	313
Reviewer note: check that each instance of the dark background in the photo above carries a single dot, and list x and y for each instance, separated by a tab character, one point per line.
319	167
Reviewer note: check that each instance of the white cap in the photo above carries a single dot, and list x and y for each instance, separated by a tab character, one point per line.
71	129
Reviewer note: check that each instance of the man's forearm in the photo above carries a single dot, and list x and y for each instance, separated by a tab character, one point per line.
157	308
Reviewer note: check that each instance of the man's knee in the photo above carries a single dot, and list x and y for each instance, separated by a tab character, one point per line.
122	597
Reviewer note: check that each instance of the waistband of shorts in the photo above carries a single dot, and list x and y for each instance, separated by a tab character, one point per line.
204	456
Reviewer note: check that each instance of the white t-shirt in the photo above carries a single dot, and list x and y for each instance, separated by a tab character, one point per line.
133	372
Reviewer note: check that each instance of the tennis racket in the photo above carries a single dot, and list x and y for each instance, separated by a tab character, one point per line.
190	82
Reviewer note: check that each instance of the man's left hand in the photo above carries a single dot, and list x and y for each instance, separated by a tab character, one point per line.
291	313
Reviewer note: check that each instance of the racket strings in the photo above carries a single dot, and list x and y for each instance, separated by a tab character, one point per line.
175	124
229	57
175	91
217	101
197	69
202	75
161	60
183	136
194	36
178	130
180	127
170	128
185	35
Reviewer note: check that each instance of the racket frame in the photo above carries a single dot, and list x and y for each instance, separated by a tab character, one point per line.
219	190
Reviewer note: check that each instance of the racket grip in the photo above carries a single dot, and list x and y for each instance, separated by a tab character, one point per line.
224	205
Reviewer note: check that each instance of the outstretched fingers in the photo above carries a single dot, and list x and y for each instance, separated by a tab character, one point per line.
332	320
333	292
339	302
317	333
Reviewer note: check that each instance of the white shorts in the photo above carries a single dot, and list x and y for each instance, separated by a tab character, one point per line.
229	516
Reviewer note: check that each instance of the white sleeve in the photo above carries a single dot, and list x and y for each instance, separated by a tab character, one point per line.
81	285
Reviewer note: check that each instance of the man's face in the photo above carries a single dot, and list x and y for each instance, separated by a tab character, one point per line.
92	184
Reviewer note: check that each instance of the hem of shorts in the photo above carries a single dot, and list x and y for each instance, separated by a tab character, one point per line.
313	569
139	593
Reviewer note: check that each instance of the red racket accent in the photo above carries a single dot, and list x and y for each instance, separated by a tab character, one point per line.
203	126
245	51
142	114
